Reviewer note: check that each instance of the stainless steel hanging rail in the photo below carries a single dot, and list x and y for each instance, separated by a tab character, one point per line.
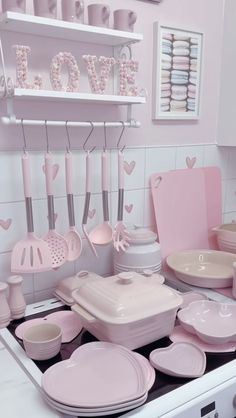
34	122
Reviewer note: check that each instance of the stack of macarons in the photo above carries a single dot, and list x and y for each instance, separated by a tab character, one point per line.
179	76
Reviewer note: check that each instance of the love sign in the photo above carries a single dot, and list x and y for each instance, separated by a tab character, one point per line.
98	70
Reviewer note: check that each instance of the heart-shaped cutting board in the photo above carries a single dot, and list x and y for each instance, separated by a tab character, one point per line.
93	378
179	359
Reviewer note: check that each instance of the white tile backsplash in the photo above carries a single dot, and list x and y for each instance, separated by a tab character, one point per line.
140	164
159	160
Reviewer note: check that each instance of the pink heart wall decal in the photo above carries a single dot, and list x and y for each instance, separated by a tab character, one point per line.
191	162
129	208
55	170
5	224
55	217
129	167
91	213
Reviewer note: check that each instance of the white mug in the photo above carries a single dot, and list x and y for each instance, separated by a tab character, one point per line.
17	6
98	15
45	8
72	10
124	19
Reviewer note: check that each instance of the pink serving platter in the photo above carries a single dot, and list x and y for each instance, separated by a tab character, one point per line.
147	368
179	359
180	335
213	322
104	375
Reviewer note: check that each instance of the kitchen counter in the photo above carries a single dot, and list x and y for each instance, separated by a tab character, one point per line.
18	395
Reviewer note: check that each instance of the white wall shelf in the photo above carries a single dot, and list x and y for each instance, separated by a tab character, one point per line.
51	95
34	25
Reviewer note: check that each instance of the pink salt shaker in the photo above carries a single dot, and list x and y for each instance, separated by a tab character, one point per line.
16	298
5	313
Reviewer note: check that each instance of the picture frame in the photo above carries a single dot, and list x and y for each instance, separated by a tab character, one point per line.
177	63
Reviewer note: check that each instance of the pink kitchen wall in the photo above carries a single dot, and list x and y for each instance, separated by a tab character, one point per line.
155	147
201	16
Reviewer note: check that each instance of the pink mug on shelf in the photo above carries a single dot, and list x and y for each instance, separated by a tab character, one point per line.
98	15
45	8
124	19
72	10
17	6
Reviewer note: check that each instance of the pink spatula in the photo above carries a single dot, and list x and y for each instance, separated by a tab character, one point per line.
56	242
31	255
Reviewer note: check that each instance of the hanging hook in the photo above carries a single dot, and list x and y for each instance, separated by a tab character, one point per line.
23	132
121	134
105	137
68	138
86	140
46	128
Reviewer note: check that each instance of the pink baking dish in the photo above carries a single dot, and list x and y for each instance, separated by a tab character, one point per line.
213	322
226	237
128	309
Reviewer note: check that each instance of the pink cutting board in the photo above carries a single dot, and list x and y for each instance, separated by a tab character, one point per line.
182	209
214	201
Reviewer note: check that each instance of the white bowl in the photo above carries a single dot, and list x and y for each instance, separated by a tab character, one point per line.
42	341
204	268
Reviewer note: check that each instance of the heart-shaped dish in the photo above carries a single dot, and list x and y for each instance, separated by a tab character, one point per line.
93	378
179	359
213	322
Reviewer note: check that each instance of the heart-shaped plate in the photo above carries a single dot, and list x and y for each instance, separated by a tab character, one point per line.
179	359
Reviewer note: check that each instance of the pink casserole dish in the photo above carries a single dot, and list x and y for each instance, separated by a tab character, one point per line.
127	309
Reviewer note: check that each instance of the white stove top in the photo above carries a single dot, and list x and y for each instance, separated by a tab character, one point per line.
210	396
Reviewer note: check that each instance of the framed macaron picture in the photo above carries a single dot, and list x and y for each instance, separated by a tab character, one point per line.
177	73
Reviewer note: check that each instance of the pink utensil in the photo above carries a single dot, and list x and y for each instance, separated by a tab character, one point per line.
31	255
73	239
56	242
87	202
179	359
121	235
102	233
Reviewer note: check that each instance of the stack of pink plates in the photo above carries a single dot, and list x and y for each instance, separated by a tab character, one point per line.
99	379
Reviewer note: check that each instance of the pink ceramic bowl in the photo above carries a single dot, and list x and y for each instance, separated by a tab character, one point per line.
42	341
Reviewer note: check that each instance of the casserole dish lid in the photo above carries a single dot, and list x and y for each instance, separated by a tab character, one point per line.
125	298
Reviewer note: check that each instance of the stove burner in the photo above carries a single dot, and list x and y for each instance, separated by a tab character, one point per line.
163	383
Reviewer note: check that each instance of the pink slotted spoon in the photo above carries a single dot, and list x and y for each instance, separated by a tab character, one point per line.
31	255
73	239
56	242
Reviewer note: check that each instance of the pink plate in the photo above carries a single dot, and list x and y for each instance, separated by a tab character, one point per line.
68	321
180	335
148	370
96	377
179	359
78	411
96	412
213	322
